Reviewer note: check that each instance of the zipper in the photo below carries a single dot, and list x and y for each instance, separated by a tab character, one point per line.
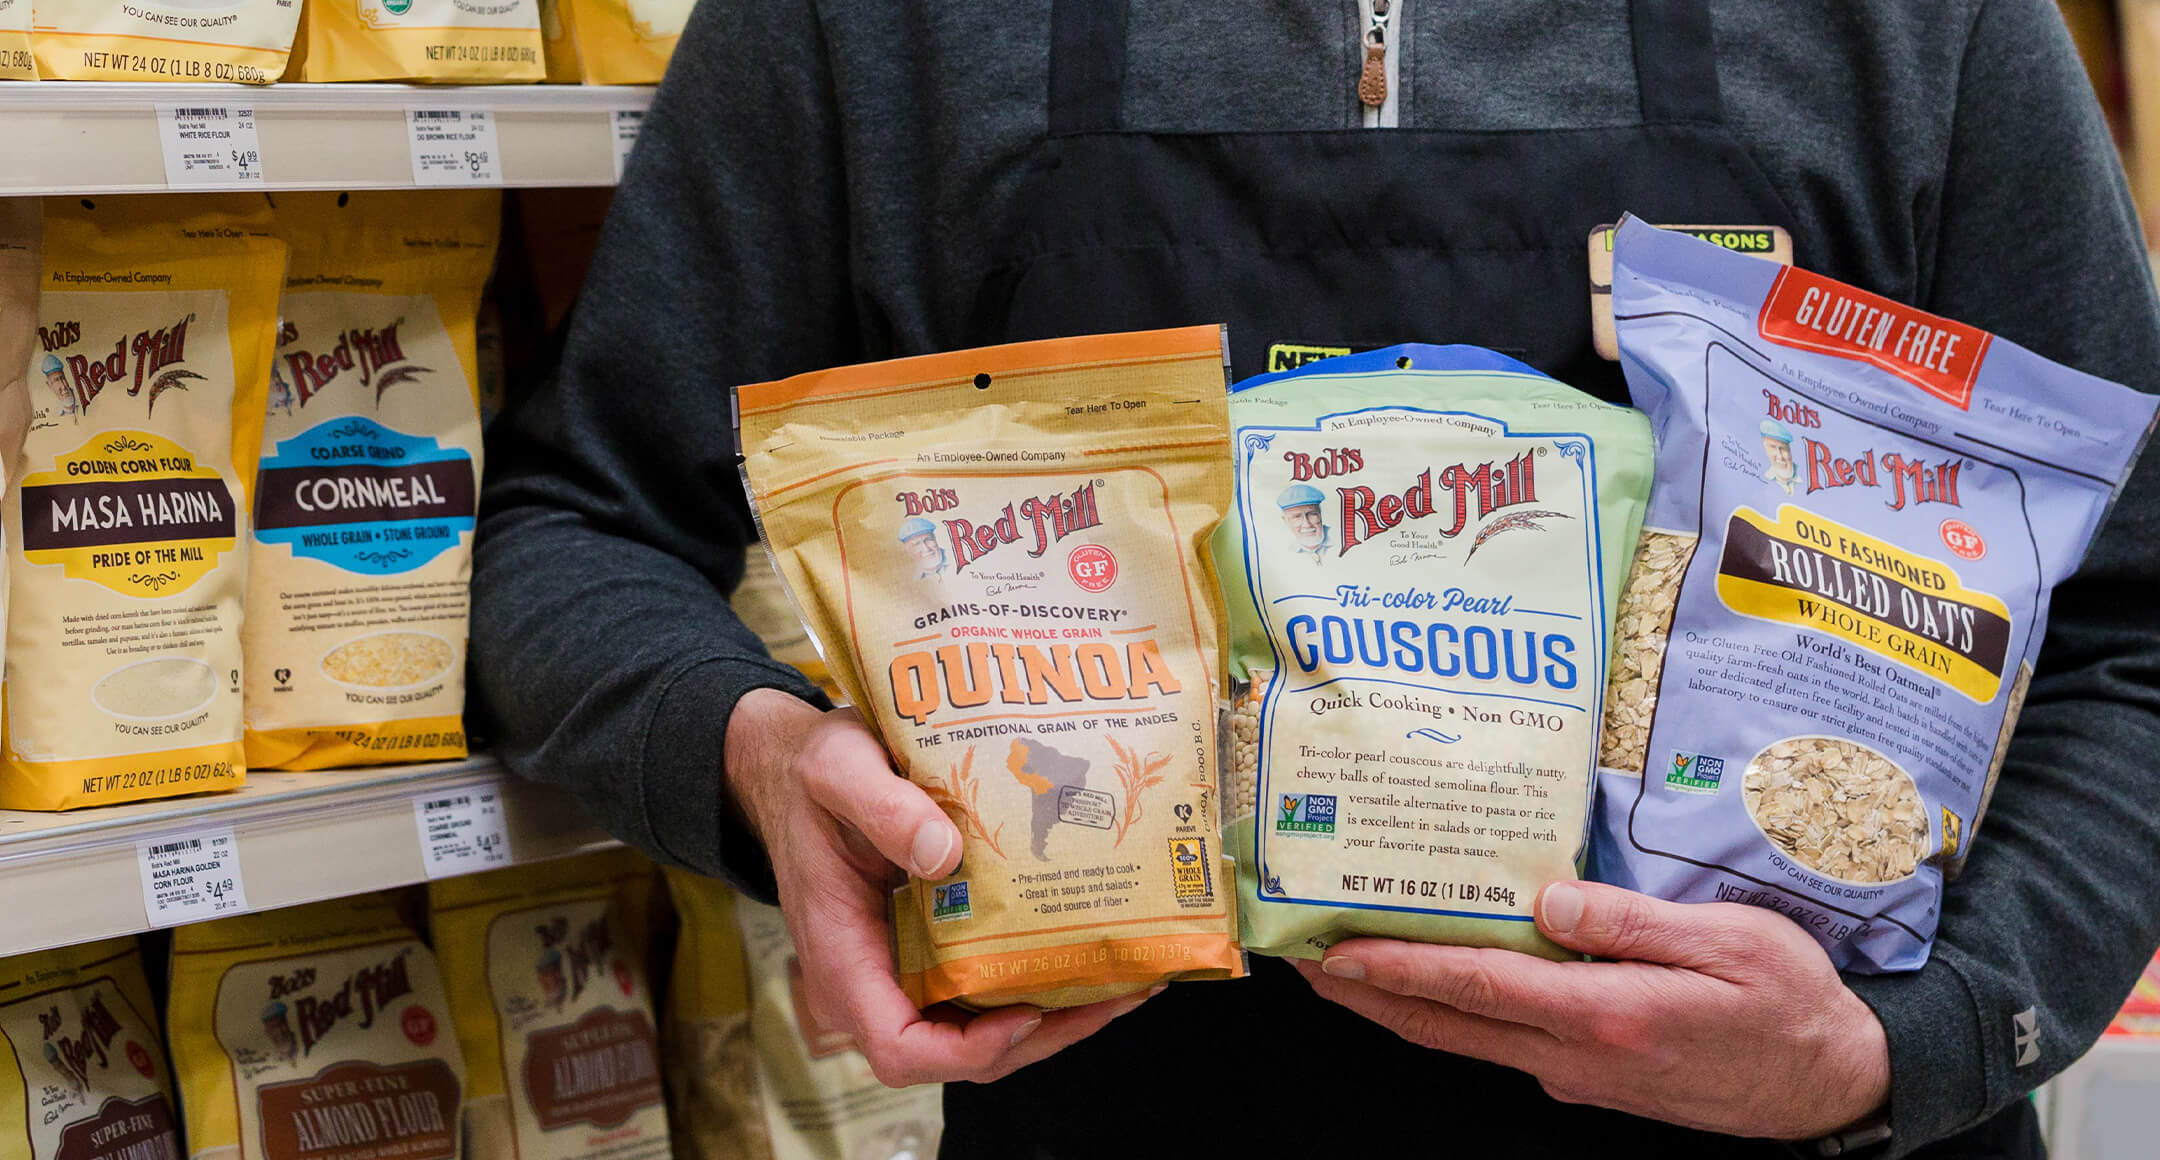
1379	73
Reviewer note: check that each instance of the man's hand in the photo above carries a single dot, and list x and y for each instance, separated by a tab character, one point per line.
1718	1016
836	820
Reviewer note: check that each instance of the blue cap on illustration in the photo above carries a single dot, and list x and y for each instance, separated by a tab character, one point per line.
52	364
1772	429
1299	495
275	1010
917	526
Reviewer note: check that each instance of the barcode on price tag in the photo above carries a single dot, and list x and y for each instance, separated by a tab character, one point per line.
453	147
462	830
210	147
627	124
191	877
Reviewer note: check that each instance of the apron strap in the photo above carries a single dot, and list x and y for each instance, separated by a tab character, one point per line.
1087	66
1675	60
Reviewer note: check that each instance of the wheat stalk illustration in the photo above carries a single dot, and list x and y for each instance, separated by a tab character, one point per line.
1135	775
170	381
396	375
958	800
1511	522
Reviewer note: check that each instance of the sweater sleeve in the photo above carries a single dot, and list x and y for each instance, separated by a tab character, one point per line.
614	523
2045	932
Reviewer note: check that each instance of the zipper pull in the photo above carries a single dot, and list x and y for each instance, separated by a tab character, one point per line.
1372	79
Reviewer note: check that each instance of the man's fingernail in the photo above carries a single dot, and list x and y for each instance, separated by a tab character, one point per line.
1132	1003
1561	908
1025	1029
1343	967
933	844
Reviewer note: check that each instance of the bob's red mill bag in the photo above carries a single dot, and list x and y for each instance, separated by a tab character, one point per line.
127	506
435	41
315	1033
546	970
21	230
162	40
17	61
83	1074
1003	556
360	572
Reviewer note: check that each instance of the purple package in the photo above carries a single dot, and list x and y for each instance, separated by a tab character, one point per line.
1859	512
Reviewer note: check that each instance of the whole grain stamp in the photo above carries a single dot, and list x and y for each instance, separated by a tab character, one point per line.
1002	554
1841	585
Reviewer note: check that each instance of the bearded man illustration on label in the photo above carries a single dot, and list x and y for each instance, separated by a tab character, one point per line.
1300	504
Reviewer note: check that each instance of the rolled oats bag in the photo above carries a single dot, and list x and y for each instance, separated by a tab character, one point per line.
17	61
82	1072
612	42
428	41
127	505
1843	581
244	41
362	562
1421	566
1002	555
547	981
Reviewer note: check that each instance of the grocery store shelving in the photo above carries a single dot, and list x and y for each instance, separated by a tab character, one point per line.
62	137
302	837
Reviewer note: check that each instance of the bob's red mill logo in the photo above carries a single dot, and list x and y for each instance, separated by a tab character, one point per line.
1474	491
365	350
74	1054
1812	312
1039	520
145	359
1908	480
361	997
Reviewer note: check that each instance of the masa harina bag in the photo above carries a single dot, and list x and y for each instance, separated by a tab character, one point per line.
428	41
244	41
82	1072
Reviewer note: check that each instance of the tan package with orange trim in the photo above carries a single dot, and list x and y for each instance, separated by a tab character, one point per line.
1004	556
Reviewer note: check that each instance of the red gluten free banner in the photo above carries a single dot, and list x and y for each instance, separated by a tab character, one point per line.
1809	311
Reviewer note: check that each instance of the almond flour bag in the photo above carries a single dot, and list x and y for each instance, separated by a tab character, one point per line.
360	571
82	1069
17	61
1003	556
613	42
1417	569
163	40
127	507
546	971
314	1033
429	41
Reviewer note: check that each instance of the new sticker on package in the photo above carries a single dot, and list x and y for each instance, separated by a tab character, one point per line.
127	506
1003	556
82	1069
612	42
1860	512
439	41
17	61
244	41
362	560
315	1033
1421	567
546	970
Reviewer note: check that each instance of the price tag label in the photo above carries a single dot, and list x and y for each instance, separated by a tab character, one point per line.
462	830
210	146
190	877
627	124
453	147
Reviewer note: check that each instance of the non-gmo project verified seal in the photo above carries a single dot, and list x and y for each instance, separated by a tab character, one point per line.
1311	814
1695	773
949	901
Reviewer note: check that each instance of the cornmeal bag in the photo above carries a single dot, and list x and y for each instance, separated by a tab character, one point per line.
17	61
438	41
82	1072
546	970
162	40
362	562
315	1033
1421	568
1003	556
611	42
1860	511
127	506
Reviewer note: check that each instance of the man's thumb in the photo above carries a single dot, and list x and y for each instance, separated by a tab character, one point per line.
1612	923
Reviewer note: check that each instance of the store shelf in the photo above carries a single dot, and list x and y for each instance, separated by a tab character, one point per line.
302	837
87	138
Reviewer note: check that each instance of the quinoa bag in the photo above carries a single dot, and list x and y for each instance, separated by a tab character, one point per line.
429	41
82	1070
314	1033
246	41
1860	511
545	966
127	506
1417	568
17	61
362	561
1003	556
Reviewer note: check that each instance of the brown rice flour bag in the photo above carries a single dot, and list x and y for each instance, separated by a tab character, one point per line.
163	40
17	61
546	969
1003	556
315	1033
127	506
82	1070
614	42
362	561
438	41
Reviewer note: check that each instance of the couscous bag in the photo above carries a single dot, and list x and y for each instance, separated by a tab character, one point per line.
1003	556
244	41
439	41
546	971
315	1033
17	61
362	563
1421	567
82	1069
620	42
127	507
1860	512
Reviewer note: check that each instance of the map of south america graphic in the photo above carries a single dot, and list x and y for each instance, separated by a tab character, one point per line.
1046	773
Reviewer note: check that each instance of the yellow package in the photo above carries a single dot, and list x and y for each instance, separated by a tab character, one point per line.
127	508
615	42
22	231
315	1033
246	41
1003	556
430	41
17	61
558	50
83	1074
362	559
547	980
